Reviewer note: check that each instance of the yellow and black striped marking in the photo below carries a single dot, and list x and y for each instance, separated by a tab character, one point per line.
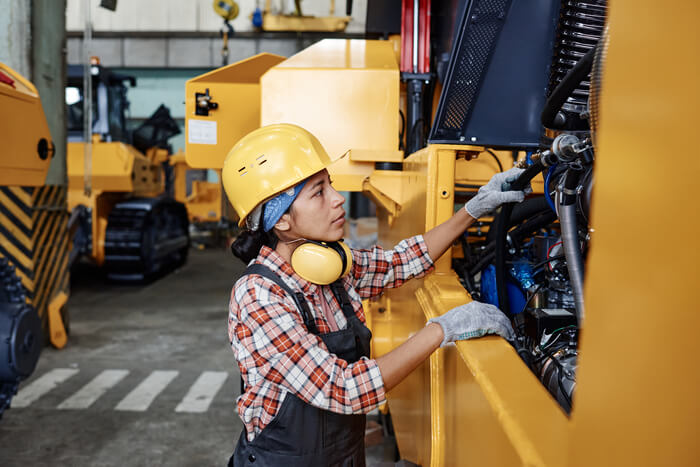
34	238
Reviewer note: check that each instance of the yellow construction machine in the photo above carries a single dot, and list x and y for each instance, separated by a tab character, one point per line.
129	223
602	371
34	240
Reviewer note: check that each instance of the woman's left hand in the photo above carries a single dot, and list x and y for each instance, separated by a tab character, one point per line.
473	319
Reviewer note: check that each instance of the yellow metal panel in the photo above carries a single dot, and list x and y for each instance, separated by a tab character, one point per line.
410	401
345	92
349	176
112	166
358	155
637	394
397	315
236	90
304	23
22	126
493	410
344	54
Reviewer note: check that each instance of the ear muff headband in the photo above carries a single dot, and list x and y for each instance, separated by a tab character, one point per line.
322	263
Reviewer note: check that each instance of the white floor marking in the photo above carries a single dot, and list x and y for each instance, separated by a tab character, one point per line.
143	395
93	390
202	392
41	386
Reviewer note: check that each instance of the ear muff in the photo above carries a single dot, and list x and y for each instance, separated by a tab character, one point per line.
320	262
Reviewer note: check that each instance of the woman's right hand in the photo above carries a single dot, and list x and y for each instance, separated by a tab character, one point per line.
471	320
496	192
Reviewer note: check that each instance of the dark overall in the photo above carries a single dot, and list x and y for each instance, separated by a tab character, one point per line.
300	434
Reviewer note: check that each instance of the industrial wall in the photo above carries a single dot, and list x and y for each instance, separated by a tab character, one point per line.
163	43
185	33
195	15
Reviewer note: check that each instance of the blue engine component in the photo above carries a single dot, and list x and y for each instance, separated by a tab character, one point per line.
489	292
522	272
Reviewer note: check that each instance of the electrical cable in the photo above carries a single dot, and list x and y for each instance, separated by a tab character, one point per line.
549	344
547	191
548	260
493	154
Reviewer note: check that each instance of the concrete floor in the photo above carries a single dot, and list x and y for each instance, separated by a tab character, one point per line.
178	325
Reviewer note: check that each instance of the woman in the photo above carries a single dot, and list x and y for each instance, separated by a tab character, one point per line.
299	337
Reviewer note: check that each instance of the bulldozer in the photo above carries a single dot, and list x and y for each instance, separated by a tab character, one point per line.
129	223
34	239
583	97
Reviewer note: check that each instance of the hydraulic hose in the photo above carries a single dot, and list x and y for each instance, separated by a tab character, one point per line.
501	224
535	220
565	88
566	201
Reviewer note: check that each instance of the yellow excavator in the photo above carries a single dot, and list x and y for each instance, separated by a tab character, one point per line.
129	224
603	370
34	240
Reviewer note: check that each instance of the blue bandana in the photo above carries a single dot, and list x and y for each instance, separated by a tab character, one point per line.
273	209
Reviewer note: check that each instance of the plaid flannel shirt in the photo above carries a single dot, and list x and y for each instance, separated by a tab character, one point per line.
277	355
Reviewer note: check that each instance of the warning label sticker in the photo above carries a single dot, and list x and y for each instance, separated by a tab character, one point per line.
201	132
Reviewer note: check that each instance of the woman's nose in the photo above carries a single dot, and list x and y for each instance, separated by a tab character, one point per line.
338	199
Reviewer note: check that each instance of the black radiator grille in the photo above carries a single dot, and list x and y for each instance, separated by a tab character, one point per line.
485	19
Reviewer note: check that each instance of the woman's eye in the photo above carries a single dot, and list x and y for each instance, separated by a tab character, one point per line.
318	193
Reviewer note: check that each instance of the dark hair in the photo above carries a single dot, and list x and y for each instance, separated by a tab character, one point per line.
248	244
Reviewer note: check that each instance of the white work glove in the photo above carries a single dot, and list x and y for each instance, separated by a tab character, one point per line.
495	193
473	319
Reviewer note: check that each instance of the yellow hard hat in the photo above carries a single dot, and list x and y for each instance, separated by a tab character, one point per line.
268	161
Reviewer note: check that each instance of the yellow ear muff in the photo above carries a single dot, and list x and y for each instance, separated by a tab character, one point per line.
322	263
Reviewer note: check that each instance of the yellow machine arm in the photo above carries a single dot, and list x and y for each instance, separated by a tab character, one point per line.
34	239
27	145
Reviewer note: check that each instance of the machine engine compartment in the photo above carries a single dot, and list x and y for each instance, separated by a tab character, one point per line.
530	259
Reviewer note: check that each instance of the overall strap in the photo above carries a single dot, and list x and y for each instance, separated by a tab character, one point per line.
343	298
298	297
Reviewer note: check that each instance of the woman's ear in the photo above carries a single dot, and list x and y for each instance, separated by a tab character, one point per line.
283	224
